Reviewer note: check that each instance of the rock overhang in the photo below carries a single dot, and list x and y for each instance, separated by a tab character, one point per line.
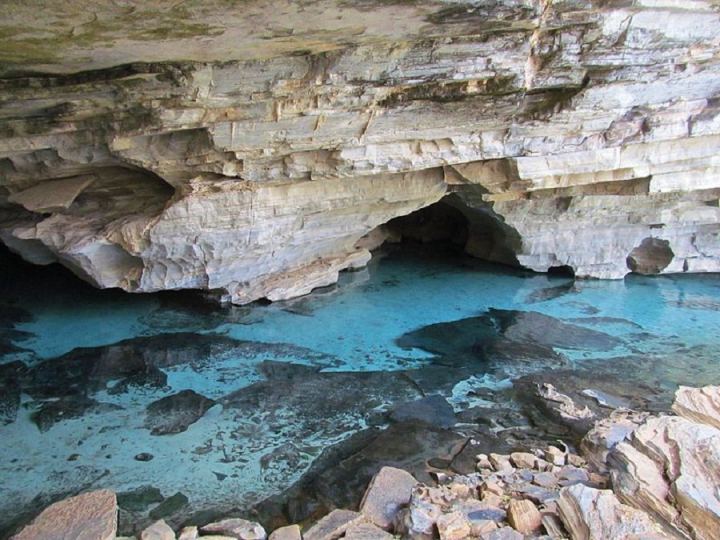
578	130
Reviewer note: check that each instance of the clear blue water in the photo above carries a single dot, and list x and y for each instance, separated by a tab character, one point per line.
80	368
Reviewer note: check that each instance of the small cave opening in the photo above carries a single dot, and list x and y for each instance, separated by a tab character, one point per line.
651	257
561	271
454	225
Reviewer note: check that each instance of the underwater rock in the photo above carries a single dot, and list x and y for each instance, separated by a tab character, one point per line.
506	340
10	395
66	408
90	516
175	413
170	507
139	499
434	410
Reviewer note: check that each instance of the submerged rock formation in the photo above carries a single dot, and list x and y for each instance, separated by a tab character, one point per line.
249	151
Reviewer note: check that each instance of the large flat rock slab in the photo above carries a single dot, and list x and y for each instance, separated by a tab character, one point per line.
89	516
53	195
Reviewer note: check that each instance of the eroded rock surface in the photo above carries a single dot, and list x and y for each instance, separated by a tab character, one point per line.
248	152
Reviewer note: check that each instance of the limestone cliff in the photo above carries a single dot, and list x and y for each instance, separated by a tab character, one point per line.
247	148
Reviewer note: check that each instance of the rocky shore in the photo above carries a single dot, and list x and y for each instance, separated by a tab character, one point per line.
637	475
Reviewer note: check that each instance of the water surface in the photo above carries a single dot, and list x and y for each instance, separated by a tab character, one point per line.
169	397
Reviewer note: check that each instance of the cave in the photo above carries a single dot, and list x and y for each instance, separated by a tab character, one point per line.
451	222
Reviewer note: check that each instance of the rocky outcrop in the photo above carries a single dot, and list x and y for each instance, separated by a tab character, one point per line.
248	152
668	466
700	405
592	514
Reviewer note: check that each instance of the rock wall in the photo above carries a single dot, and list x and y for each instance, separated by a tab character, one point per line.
248	152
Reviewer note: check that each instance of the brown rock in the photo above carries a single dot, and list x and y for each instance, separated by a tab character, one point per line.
158	531
524	516
504	533
388	491
700	405
479	527
290	532
500	462
333	525
89	516
553	525
189	533
555	456
453	526
523	460
239	528
366	531
545	480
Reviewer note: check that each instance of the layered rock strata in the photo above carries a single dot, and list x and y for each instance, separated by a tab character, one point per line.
249	152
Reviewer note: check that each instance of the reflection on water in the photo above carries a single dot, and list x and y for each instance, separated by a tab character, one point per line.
184	406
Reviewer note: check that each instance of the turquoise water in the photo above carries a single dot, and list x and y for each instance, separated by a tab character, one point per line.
275	385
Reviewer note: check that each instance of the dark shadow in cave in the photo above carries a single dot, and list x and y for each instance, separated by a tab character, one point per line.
475	230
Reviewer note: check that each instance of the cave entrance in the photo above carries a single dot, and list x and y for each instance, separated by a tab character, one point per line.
475	230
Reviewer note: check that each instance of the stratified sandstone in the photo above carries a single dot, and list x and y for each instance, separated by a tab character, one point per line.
594	514
248	151
700	405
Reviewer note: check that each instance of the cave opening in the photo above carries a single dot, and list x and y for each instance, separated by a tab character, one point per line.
452	224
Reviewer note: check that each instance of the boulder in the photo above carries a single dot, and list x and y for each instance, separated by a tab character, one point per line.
366	531
524	516
453	526
89	516
523	460
158	531
189	533
175	413
593	514
289	532
333	525
388	491
503	533
239	528
418	520
698	404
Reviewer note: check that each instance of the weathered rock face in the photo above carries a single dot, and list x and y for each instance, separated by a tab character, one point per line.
247	152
